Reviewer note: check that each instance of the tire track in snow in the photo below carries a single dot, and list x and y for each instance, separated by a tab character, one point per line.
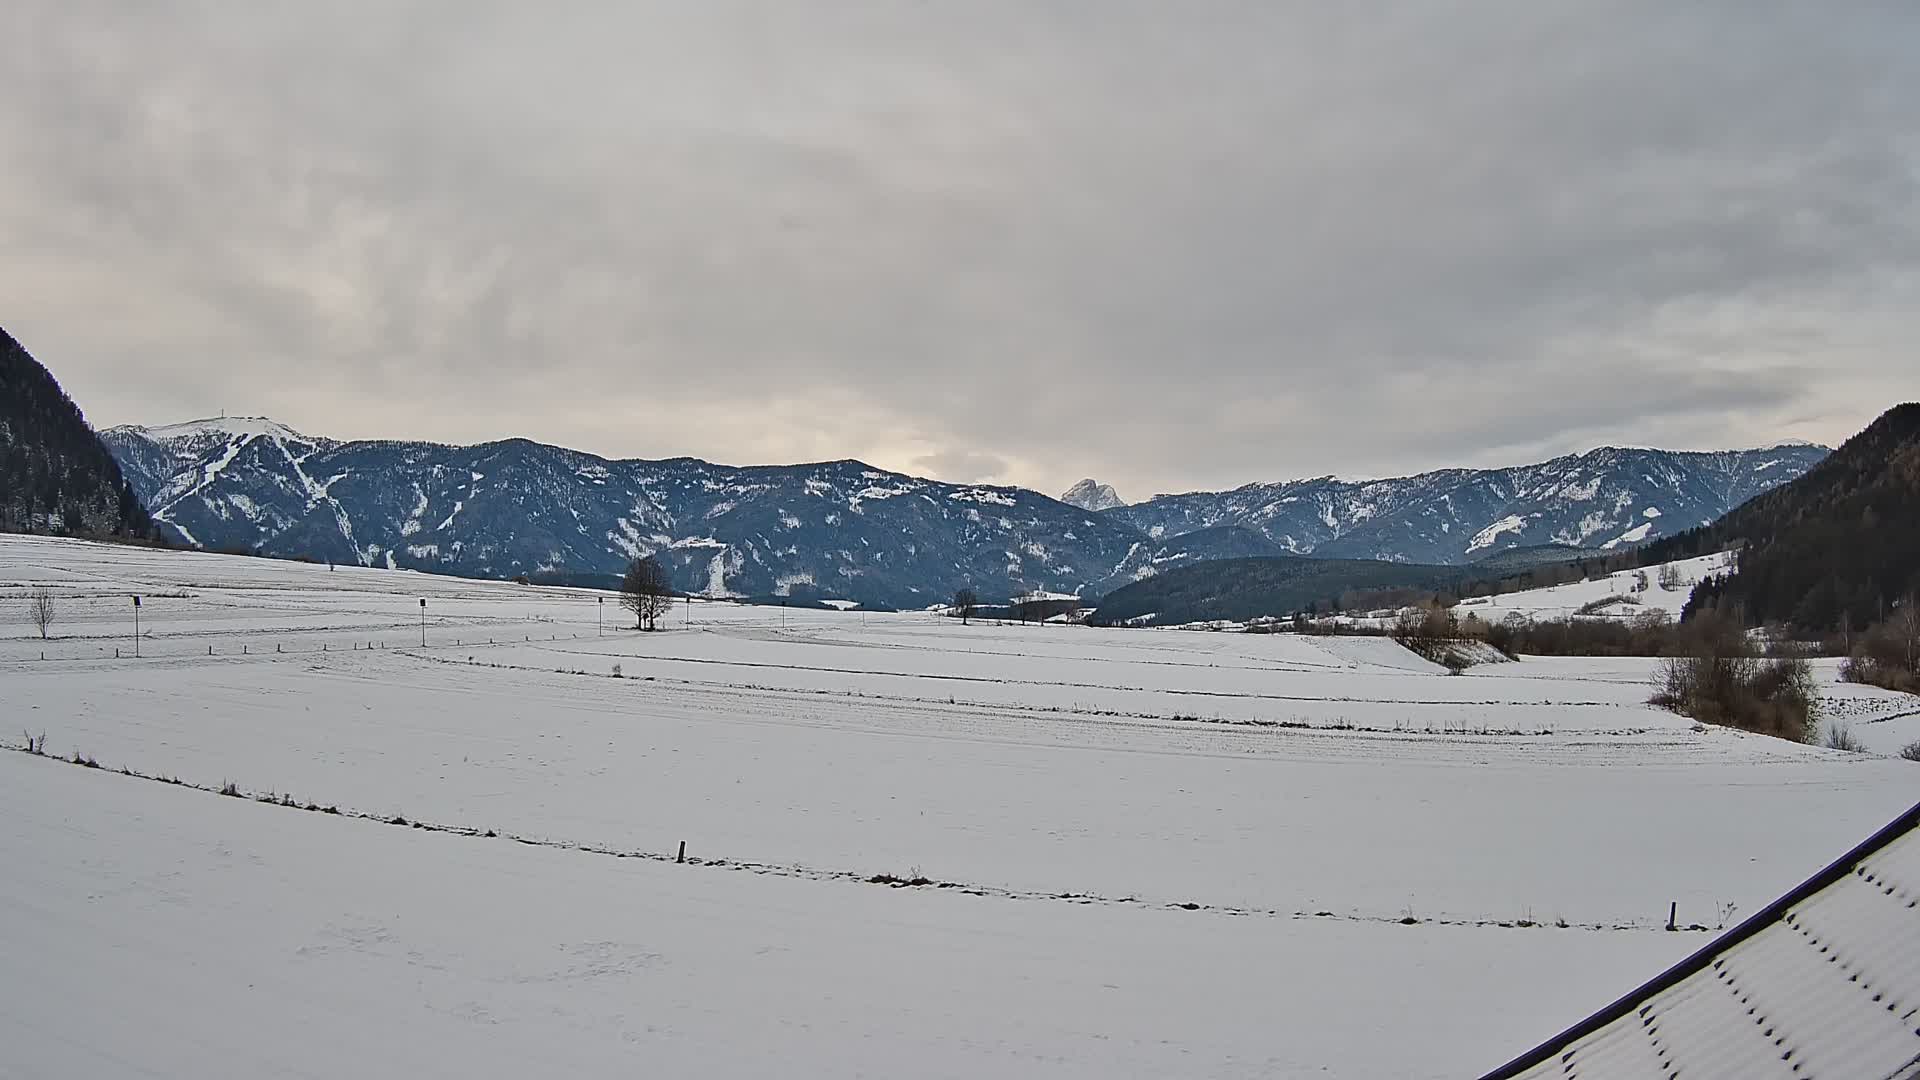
1227	694
810	873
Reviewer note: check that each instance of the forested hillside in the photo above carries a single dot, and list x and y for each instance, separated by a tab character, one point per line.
55	476
1835	549
1258	587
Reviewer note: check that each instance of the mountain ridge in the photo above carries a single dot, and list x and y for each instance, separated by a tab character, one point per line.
1607	497
842	528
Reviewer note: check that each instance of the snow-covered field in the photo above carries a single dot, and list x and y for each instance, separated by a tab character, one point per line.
1149	852
1618	594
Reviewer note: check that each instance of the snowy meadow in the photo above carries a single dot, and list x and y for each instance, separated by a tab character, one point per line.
912	847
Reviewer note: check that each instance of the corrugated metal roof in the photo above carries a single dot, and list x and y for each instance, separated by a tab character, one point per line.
1823	983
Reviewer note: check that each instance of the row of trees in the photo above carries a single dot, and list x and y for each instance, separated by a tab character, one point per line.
1025	607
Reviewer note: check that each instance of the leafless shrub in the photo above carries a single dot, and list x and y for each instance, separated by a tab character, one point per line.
1841	737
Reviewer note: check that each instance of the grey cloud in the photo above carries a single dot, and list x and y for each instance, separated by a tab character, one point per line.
1167	246
962	466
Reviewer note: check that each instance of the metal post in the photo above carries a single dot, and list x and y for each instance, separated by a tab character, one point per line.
423	622
136	626
601	607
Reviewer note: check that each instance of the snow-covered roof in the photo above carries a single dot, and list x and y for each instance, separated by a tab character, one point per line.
1823	983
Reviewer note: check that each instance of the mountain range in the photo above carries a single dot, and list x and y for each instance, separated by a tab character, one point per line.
1829	552
839	529
844	529
1605	498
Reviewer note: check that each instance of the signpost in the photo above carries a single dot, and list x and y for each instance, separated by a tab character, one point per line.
423	622
136	626
602	608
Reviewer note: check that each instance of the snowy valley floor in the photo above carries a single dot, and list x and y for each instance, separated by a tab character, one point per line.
1140	832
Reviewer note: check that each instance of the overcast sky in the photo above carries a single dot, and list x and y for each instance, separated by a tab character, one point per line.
1172	246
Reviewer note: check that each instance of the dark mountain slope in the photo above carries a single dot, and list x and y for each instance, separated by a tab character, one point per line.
55	476
1836	547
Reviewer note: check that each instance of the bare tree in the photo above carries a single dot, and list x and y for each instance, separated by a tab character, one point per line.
964	602
40	609
1889	654
1903	627
646	591
1670	577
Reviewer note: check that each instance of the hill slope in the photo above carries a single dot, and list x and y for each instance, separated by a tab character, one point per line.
55	476
1835	546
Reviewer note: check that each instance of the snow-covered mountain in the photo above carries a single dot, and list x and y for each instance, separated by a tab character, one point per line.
827	530
1601	499
843	529
1089	494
